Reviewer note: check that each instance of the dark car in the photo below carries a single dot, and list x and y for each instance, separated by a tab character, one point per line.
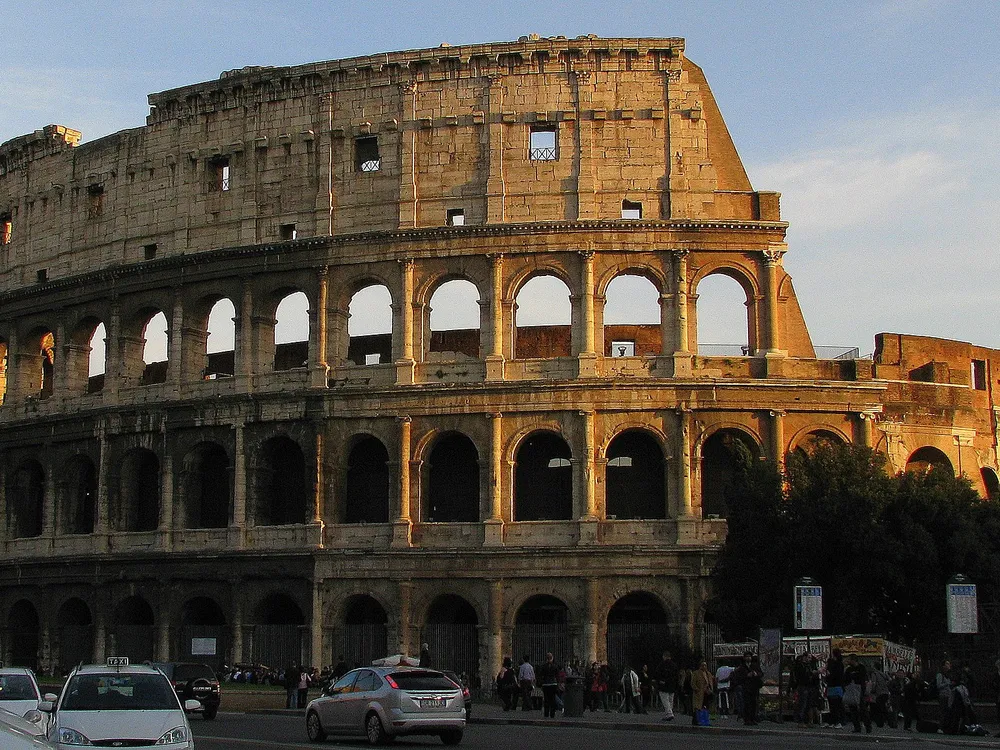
466	693
194	681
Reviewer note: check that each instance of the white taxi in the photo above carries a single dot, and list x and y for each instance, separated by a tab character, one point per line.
19	694
118	705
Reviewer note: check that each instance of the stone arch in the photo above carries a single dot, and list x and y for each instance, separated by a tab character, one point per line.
86	356
929	458
367	481
453	325
291	330
78	501
155	348
219	325
541	328
991	483
281	485
370	329
133	632
542	625
809	438
206	487
24	634
724	306
137	506
203	631
635	476
718	453
363	632
75	634
3	369
543	478
638	630
26	499
453	479
34	365
277	635
632	315
451	631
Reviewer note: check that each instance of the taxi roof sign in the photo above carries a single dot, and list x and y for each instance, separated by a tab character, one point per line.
117	661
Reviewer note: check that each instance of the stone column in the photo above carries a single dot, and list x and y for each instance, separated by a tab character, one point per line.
409	202
587	357
682	348
494	649
100	637
319	369
163	638
405	365
237	625
49	502
175	341
771	330
496	189
493	536
686	520
777	436
495	358
167	510
586	184
403	524
316	630
592	600
865	427
238	524
102	511
318	511
405	613
244	365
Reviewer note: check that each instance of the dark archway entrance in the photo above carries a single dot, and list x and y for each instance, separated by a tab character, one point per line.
134	633
138	492
638	632
76	635
206	488
367	482
364	634
543	479
453	480
452	633
719	465
79	496
281	483
23	630
928	459
26	499
203	633
635	477
278	632
542	626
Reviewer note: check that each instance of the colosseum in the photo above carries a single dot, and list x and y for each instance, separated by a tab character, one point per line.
312	463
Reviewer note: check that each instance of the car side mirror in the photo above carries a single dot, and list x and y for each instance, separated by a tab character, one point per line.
47	705
192	705
50	697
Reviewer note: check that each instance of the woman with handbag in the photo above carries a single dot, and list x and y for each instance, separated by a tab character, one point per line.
856	694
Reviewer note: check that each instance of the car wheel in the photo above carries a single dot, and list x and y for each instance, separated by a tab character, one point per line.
314	727
452	737
374	730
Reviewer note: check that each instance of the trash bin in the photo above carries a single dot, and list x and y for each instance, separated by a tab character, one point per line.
573	699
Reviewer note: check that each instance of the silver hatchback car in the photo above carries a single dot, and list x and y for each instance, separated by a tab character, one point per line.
382	703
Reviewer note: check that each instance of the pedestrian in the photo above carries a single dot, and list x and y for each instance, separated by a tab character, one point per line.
856	694
630	689
339	669
425	656
960	713
646	687
798	680
814	693
597	688
303	687
835	688
291	684
526	679
722	675
548	679
912	691
701	690
896	685
507	685
942	684
878	692
666	684
752	684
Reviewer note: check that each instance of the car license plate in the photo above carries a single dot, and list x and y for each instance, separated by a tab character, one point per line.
432	702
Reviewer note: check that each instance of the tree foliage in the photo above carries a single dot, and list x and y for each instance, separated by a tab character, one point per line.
881	546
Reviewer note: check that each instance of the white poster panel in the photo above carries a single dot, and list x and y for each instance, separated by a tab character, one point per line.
808	607
963	612
203	647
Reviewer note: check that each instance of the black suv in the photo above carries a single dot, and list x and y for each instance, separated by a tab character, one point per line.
194	682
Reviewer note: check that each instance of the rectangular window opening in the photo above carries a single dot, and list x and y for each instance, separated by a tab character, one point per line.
631	210
979	374
95	201
149	251
622	348
456	217
6	229
542	145
286	232
366	157
42	275
219	175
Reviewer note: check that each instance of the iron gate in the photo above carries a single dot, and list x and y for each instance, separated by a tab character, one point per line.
360	644
454	647
635	644
277	646
205	644
537	640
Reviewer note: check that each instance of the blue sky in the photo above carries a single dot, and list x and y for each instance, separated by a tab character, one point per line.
877	121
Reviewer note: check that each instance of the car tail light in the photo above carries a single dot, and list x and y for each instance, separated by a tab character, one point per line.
392	682
466	693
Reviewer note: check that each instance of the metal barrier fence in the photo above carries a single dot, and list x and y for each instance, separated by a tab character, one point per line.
360	644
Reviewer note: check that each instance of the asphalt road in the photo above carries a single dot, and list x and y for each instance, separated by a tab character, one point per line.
232	731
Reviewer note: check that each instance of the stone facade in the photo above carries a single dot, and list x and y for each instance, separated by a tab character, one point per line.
494	489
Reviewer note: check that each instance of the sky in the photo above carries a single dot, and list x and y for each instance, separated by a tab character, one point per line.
877	121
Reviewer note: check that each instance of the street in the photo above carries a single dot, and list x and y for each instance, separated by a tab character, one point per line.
234	731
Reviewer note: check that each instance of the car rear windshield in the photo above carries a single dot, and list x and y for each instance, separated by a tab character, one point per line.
17	687
119	692
185	672
423	681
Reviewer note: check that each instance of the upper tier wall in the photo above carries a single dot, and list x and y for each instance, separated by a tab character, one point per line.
633	121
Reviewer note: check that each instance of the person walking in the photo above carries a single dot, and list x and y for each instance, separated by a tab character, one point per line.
303	687
856	694
548	679
291	684
701	690
879	694
912	689
526	679
507	685
752	684
942	684
630	689
835	688
666	684
425	656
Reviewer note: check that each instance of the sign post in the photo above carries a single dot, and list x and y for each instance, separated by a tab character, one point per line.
808	605
963	610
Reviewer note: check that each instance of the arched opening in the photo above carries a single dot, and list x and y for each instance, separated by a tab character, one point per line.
278	630
48	357
991	483
220	349
138	506
543	479
203	632
79	496
282	490
540	627
23	632
364	635
291	332
133	631
451	633
155	336
97	359
723	318
76	635
3	371
367	495
632	317
453	480
543	315
928	458
454	318
635	477
369	326
817	439
638	631
206	487
26	499
719	467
